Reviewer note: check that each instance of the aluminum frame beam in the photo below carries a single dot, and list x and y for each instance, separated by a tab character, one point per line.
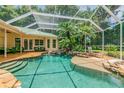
46	28
110	12
94	12
121	41
52	15
53	24
75	15
103	41
96	25
19	17
60	16
30	25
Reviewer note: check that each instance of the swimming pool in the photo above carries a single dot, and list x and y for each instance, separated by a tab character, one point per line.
56	71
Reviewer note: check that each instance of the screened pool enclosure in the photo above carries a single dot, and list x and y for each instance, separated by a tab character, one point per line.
106	22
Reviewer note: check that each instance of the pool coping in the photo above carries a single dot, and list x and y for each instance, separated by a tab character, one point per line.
18	59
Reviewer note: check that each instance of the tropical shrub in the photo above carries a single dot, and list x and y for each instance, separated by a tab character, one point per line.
111	47
96	47
112	50
1	50
12	50
72	36
79	48
114	54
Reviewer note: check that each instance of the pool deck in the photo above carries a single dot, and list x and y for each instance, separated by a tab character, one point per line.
7	80
17	56
91	63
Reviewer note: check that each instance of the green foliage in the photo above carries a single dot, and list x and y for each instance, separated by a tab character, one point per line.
62	9
71	35
64	43
95	47
112	50
1	50
97	51
8	12
114	54
12	50
67	35
111	47
79	48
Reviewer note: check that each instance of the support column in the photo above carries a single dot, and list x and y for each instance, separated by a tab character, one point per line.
121	40
51	44
85	44
46	43
21	45
5	43
102	41
57	44
33	41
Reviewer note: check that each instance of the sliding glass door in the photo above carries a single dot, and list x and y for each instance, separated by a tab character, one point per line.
25	44
28	44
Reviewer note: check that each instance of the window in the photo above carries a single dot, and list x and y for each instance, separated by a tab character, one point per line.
48	43
54	43
41	42
17	43
36	42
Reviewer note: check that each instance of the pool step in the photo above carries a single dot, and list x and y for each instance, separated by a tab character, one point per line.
13	66
3	65
23	65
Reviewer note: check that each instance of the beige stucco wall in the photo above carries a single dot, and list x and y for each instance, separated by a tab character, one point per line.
1	39
10	39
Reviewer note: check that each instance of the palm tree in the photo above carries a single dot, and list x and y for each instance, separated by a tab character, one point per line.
66	35
85	30
72	34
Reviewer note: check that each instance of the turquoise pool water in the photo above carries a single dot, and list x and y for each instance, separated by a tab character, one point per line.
56	71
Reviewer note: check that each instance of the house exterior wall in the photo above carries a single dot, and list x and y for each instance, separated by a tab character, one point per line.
45	41
11	40
51	44
1	39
